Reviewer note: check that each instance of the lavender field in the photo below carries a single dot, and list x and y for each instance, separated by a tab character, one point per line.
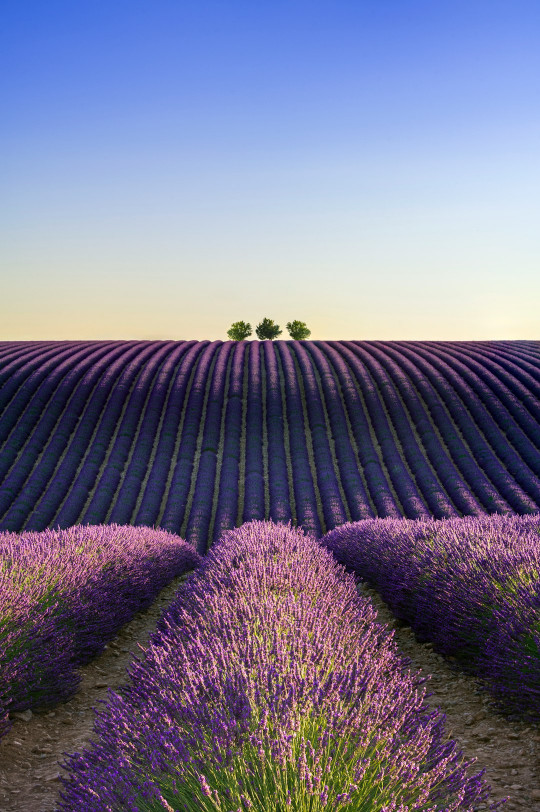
269	686
64	594
124	464
197	437
471	586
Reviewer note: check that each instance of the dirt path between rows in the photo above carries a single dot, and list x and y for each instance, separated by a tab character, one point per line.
509	751
29	754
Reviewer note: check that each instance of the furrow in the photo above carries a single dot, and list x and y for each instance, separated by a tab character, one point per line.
445	446
494	455
242	459
226	514
280	486
307	498
34	476
358	503
199	510
380	487
168	450
220	448
332	496
183	347
86	447
178	506
123	442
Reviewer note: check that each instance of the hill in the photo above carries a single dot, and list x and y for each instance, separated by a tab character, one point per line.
197	437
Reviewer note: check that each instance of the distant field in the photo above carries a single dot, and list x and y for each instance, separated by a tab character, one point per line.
198	437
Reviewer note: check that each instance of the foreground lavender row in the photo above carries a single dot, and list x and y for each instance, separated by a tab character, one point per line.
64	594
198	437
469	585
269	686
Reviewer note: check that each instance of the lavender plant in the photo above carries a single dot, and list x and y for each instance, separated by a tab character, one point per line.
171	418
278	479
470	585
175	505
254	472
268	685
333	508
303	483
64	594
227	503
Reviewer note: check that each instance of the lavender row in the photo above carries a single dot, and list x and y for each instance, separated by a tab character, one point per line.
150	390
17	365
355	491
428	485
201	509
412	503
496	393
524	354
506	471
34	413
304	491
278	474
107	418
456	468
504	420
20	381
71	443
482	470
378	485
137	427
269	685
470	481
512	374
175	508
62	496
469	585
31	474
149	512
228	495
332	504
254	506
65	593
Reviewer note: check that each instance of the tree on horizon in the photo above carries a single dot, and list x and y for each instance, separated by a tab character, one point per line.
239	330
298	330
267	329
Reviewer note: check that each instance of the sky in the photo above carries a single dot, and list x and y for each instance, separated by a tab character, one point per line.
369	167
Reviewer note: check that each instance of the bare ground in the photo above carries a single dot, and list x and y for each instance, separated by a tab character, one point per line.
32	750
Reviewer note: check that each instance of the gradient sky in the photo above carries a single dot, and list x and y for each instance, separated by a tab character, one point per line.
369	167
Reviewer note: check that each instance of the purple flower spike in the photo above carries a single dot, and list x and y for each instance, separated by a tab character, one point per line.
269	684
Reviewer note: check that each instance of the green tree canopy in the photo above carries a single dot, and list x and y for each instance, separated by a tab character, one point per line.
298	330
267	329
239	330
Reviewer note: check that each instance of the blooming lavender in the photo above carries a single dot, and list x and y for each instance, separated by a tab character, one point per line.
64	594
470	585
170	434
269	685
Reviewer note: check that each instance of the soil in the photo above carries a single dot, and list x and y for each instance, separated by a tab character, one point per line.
30	753
508	750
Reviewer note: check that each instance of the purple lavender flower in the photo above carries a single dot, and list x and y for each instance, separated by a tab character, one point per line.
268	649
64	594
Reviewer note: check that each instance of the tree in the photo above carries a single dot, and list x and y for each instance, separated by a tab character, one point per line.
298	330
267	329
239	330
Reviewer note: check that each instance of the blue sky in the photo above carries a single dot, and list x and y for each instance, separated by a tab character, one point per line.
370	168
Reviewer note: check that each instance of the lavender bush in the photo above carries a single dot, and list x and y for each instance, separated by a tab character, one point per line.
471	585
64	594
268	685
